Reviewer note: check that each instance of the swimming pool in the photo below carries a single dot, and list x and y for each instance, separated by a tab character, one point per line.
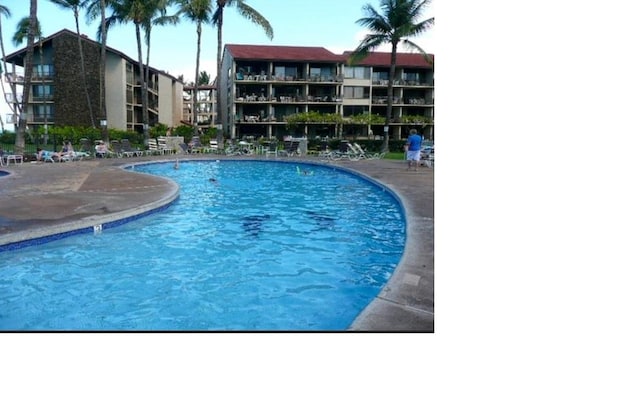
249	245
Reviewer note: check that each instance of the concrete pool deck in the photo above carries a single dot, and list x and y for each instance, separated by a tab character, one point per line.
39	200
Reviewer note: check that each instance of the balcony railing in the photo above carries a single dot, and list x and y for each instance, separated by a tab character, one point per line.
288	99
383	100
402	82
288	78
11	78
45	97
10	99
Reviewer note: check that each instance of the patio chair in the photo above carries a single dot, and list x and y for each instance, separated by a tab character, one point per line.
127	150
195	145
116	147
153	147
273	149
162	145
86	147
291	148
213	146
184	147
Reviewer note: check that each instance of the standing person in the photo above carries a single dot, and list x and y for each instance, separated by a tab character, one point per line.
412	147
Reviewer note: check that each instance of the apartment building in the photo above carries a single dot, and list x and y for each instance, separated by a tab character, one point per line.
264	85
58	95
205	104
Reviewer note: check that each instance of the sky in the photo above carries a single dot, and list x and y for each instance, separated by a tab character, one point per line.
328	23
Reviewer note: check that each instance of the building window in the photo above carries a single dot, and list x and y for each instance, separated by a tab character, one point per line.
320	71
40	92
44	70
380	76
42	112
356	92
356	72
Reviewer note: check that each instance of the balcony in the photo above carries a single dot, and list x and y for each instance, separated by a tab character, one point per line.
10	99
380	100
326	78
13	78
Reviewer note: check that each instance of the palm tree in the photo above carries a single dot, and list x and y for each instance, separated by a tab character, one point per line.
158	16
75	6
93	9
140	12
247	12
21	34
4	11
398	22
198	11
28	72
204	78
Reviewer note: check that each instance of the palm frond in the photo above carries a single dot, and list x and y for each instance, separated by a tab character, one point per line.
255	17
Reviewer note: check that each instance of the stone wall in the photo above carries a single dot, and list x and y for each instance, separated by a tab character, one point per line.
71	100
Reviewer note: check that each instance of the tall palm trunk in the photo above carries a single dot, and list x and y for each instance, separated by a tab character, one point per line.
82	69
145	98
220	135
28	72
103	67
194	100
46	114
392	74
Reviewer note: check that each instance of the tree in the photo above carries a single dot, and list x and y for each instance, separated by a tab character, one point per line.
159	17
28	72
199	12
20	35
204	78
247	12
75	6
95	8
140	13
398	21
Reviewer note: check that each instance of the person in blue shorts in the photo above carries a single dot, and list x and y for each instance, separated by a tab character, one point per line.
412	147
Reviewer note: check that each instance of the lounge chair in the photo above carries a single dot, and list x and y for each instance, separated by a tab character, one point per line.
184	148
86	147
427	157
50	156
75	156
367	154
153	147
195	145
127	150
213	146
162	145
273	149
291	148
116	147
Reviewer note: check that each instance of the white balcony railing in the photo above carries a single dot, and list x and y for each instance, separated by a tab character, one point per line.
11	77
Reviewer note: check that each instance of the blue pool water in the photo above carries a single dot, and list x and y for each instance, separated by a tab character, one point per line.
259	247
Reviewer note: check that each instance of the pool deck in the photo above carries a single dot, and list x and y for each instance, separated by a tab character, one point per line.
39	200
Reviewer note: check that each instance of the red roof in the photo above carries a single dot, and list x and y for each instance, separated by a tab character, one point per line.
303	53
281	53
379	59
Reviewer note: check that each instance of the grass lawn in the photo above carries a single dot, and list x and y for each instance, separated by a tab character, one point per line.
394	156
